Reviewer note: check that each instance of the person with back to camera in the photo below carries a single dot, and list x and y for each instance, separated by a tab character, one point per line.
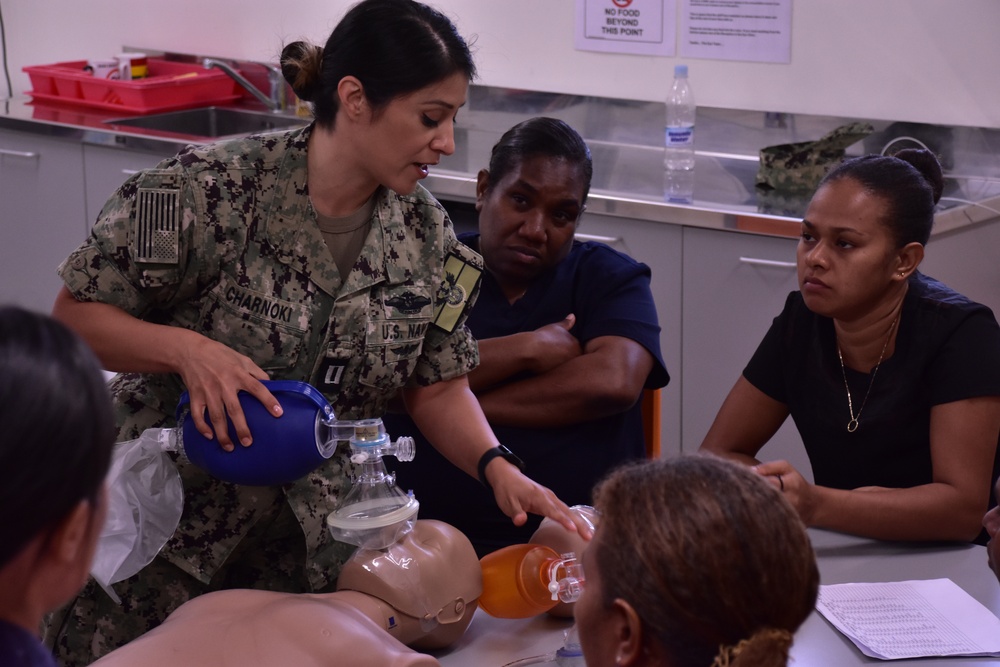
696	561
310	255
55	450
567	331
892	378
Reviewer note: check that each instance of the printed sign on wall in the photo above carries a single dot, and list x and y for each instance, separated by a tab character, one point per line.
748	30
645	27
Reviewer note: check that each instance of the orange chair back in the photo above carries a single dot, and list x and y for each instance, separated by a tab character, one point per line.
651	422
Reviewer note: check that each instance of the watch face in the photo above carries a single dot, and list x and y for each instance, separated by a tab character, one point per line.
511	456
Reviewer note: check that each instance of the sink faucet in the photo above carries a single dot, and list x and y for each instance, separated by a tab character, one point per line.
275	101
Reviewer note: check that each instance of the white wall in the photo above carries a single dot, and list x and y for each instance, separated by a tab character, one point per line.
921	60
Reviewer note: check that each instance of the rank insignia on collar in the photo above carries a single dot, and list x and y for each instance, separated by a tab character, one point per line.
460	281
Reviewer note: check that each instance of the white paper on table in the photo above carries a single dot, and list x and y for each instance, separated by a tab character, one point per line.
911	619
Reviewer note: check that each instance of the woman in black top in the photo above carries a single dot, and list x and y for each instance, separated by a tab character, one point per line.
892	378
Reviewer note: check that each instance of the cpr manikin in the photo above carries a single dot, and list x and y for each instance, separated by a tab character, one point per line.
425	583
422	590
410	583
372	623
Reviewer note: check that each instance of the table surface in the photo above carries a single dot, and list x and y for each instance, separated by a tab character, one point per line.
492	642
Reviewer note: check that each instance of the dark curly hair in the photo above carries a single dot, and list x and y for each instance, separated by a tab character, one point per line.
715	562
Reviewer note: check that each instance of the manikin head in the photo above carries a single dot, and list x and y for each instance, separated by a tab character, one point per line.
428	583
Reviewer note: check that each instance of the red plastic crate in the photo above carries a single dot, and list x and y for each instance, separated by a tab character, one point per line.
170	86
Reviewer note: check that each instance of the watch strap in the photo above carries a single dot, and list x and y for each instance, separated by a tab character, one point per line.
489	455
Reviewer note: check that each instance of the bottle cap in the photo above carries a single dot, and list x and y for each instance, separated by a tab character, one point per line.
680	71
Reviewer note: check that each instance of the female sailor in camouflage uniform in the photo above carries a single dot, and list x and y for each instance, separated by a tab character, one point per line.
310	255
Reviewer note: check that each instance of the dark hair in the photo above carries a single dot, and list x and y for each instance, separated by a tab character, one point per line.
540	136
393	47
909	181
56	425
714	561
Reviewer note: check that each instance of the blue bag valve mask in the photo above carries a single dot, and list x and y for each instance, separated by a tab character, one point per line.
284	448
146	494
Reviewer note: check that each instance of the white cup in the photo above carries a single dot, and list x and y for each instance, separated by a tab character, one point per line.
102	68
132	66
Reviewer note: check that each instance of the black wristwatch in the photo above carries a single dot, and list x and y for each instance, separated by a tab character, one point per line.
491	454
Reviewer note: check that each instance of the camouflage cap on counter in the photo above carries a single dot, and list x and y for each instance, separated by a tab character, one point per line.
799	167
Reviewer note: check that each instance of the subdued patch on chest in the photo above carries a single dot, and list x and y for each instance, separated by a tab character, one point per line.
407	303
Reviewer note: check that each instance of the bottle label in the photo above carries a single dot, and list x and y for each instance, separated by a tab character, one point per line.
679	136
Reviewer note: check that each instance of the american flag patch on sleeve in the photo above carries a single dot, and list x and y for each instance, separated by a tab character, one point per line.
156	235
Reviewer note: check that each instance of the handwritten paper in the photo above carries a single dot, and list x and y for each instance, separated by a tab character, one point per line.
911	619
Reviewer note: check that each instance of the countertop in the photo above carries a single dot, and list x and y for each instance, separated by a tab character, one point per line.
625	138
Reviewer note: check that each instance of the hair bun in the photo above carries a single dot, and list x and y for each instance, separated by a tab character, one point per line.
764	648
300	65
928	165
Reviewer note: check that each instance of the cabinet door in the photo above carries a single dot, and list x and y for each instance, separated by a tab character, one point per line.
657	245
966	261
42	215
107	168
734	286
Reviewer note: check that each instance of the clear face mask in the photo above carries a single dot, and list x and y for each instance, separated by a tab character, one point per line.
375	513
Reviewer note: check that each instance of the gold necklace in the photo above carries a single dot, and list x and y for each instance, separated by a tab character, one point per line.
852	425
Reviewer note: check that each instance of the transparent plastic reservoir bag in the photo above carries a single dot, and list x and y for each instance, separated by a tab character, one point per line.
145	500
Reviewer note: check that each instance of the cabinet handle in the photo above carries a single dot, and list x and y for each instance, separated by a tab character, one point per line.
26	154
600	239
767	262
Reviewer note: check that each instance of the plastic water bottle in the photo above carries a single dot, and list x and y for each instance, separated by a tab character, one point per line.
678	155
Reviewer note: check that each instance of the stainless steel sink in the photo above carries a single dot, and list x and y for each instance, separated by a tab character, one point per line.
211	122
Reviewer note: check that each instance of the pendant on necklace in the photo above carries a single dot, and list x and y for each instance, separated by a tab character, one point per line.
852	425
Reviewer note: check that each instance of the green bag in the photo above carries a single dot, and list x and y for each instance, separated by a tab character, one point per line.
799	167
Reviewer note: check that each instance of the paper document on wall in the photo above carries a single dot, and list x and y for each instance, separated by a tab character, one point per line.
911	619
748	30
